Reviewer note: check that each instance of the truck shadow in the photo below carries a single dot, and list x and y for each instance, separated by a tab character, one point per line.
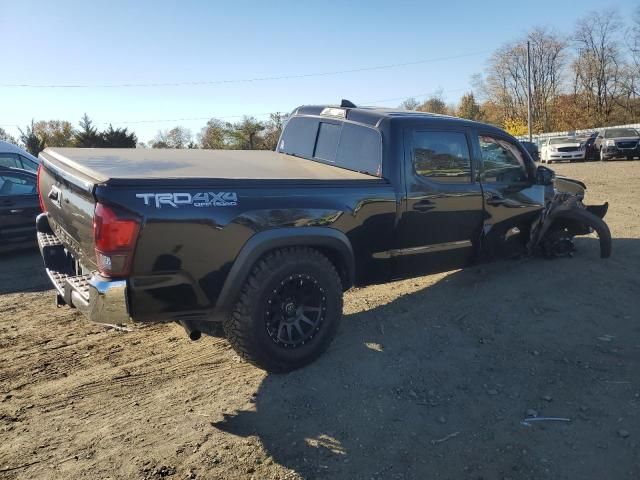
22	271
435	383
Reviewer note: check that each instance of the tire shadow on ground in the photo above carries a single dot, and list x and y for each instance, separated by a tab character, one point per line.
436	383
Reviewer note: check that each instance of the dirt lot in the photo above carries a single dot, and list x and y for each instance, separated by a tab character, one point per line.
428	378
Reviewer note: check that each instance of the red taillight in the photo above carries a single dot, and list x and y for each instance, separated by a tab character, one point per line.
115	239
42	209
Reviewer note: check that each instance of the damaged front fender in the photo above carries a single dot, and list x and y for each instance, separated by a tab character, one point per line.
565	217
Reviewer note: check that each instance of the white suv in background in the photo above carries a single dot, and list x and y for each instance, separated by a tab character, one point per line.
554	149
15	157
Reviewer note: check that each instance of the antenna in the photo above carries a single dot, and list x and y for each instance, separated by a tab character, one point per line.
347	104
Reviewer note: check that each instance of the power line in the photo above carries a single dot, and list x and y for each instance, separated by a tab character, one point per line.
224	117
241	80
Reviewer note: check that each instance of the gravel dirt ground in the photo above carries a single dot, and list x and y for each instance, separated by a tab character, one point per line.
429	378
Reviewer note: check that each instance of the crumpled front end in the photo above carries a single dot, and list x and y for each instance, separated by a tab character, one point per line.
566	216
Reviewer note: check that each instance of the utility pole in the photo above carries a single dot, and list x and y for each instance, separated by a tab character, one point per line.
529	88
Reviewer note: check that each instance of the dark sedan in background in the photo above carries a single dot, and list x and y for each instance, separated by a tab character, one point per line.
589	147
19	206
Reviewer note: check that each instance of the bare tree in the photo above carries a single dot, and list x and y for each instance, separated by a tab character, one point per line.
177	137
434	104
273	129
598	65
506	80
633	36
55	133
410	104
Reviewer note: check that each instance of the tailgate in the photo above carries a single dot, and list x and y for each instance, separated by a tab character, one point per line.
68	199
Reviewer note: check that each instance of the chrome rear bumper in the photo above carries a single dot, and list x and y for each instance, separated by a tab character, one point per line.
101	299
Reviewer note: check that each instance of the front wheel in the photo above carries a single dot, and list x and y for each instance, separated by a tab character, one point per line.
288	311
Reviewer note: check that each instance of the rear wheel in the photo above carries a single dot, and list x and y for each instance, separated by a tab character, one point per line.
288	311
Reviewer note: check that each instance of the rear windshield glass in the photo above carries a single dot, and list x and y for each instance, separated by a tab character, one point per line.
344	145
621	132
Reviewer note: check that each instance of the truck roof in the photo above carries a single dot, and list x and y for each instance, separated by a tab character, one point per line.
372	116
104	164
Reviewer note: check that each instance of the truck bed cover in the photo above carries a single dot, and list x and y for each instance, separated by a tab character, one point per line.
111	164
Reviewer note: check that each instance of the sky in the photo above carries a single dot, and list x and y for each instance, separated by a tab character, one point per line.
103	45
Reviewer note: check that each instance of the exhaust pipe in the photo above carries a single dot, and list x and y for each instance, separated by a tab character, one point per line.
192	332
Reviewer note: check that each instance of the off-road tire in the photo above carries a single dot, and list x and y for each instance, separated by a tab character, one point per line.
246	327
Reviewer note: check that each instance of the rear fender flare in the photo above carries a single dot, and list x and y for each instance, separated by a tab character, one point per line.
263	242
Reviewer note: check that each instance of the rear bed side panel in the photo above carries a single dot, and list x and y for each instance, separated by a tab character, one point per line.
185	252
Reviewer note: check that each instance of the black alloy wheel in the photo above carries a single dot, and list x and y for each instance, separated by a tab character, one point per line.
295	311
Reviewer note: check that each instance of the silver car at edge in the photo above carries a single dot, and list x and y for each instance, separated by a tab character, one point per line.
556	149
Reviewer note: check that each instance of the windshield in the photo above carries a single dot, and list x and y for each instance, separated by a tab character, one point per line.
559	140
621	132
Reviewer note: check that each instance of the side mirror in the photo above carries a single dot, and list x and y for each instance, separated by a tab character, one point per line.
544	175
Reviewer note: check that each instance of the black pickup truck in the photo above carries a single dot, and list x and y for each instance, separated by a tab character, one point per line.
264	243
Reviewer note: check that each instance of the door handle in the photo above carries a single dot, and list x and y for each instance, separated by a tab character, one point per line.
16	210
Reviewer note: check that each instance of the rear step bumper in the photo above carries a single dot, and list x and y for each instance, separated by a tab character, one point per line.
101	299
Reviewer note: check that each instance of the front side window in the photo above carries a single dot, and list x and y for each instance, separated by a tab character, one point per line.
12	184
442	156
502	161
9	160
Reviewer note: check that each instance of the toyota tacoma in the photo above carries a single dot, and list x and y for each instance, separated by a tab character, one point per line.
262	244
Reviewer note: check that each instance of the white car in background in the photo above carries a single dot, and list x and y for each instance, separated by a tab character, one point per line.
555	149
13	156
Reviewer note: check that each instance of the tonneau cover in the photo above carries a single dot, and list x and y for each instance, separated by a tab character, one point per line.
104	164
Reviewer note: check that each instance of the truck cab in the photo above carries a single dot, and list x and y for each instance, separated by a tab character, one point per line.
463	188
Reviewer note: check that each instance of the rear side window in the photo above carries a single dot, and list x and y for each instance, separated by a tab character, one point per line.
442	156
344	145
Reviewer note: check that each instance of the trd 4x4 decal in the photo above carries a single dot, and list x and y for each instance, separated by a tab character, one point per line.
202	199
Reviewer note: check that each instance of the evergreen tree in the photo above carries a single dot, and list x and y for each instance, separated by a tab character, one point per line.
88	135
117	138
31	141
468	107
